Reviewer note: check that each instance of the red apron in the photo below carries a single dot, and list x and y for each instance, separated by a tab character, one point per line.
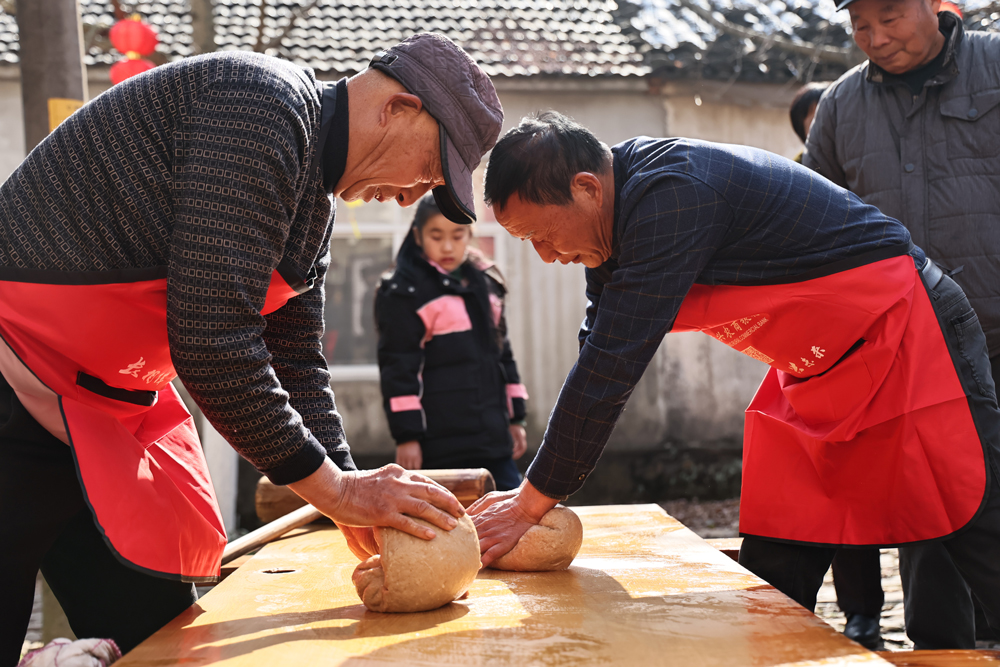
91	363
877	449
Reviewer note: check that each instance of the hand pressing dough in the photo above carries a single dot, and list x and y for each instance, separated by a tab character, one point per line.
411	574
551	545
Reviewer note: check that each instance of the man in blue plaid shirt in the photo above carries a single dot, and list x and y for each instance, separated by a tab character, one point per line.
878	363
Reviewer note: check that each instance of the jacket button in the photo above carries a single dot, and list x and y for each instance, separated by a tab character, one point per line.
581	477
973	112
909	167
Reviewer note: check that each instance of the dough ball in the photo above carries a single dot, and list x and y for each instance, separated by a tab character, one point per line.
411	574
551	545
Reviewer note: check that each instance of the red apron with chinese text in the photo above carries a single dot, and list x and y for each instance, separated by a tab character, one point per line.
91	363
861	432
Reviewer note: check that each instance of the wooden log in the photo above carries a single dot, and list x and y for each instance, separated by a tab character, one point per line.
947	658
272	531
468	485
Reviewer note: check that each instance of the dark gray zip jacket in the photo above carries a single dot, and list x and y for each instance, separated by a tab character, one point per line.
932	161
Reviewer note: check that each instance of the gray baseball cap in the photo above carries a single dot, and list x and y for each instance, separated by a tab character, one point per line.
461	98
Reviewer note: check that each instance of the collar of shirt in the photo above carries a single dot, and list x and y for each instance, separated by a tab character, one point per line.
334	133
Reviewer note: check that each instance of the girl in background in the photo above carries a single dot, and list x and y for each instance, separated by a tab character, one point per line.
450	386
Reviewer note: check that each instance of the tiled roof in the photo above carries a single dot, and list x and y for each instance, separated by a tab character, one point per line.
507	37
512	38
685	43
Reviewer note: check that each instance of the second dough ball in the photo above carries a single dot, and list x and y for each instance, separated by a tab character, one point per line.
411	574
551	545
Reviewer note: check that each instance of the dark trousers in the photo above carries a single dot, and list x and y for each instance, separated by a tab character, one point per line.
45	524
933	589
940	610
857	576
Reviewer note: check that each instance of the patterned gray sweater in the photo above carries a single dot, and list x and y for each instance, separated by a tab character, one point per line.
207	167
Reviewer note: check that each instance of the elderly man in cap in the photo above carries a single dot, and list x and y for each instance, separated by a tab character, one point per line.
179	226
913	131
877	422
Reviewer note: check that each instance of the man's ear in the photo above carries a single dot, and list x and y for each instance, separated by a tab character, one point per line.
588	186
399	104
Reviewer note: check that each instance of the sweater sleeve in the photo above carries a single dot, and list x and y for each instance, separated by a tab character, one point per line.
400	361
238	177
293	337
668	238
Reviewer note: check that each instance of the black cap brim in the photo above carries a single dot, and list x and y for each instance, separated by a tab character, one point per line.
455	198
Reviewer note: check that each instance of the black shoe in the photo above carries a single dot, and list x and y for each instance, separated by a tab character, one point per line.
864	630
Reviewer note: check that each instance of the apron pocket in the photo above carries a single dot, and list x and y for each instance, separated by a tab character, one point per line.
99	387
832	396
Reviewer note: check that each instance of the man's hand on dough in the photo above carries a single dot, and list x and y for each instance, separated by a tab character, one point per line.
361	541
501	518
388	496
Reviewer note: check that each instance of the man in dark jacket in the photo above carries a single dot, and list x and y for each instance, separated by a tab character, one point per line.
913	131
178	226
877	407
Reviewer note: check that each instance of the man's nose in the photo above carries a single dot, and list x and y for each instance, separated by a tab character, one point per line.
879	37
408	196
545	251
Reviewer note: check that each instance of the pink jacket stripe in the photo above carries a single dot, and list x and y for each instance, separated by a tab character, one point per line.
444	315
404	403
515	391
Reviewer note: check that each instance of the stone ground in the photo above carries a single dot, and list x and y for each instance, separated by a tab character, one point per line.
714	519
721	518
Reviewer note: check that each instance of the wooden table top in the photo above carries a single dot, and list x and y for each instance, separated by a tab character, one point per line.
643	591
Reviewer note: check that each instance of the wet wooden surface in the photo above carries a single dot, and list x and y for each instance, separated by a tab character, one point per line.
643	591
943	658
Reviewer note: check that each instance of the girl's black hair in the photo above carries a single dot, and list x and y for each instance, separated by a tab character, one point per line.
427	208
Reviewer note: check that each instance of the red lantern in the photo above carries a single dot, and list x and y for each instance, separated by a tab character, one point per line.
132	35
951	7
134	39
128	67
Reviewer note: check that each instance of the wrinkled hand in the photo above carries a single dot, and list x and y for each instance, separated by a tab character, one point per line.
361	541
388	496
409	455
502	517
520	438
